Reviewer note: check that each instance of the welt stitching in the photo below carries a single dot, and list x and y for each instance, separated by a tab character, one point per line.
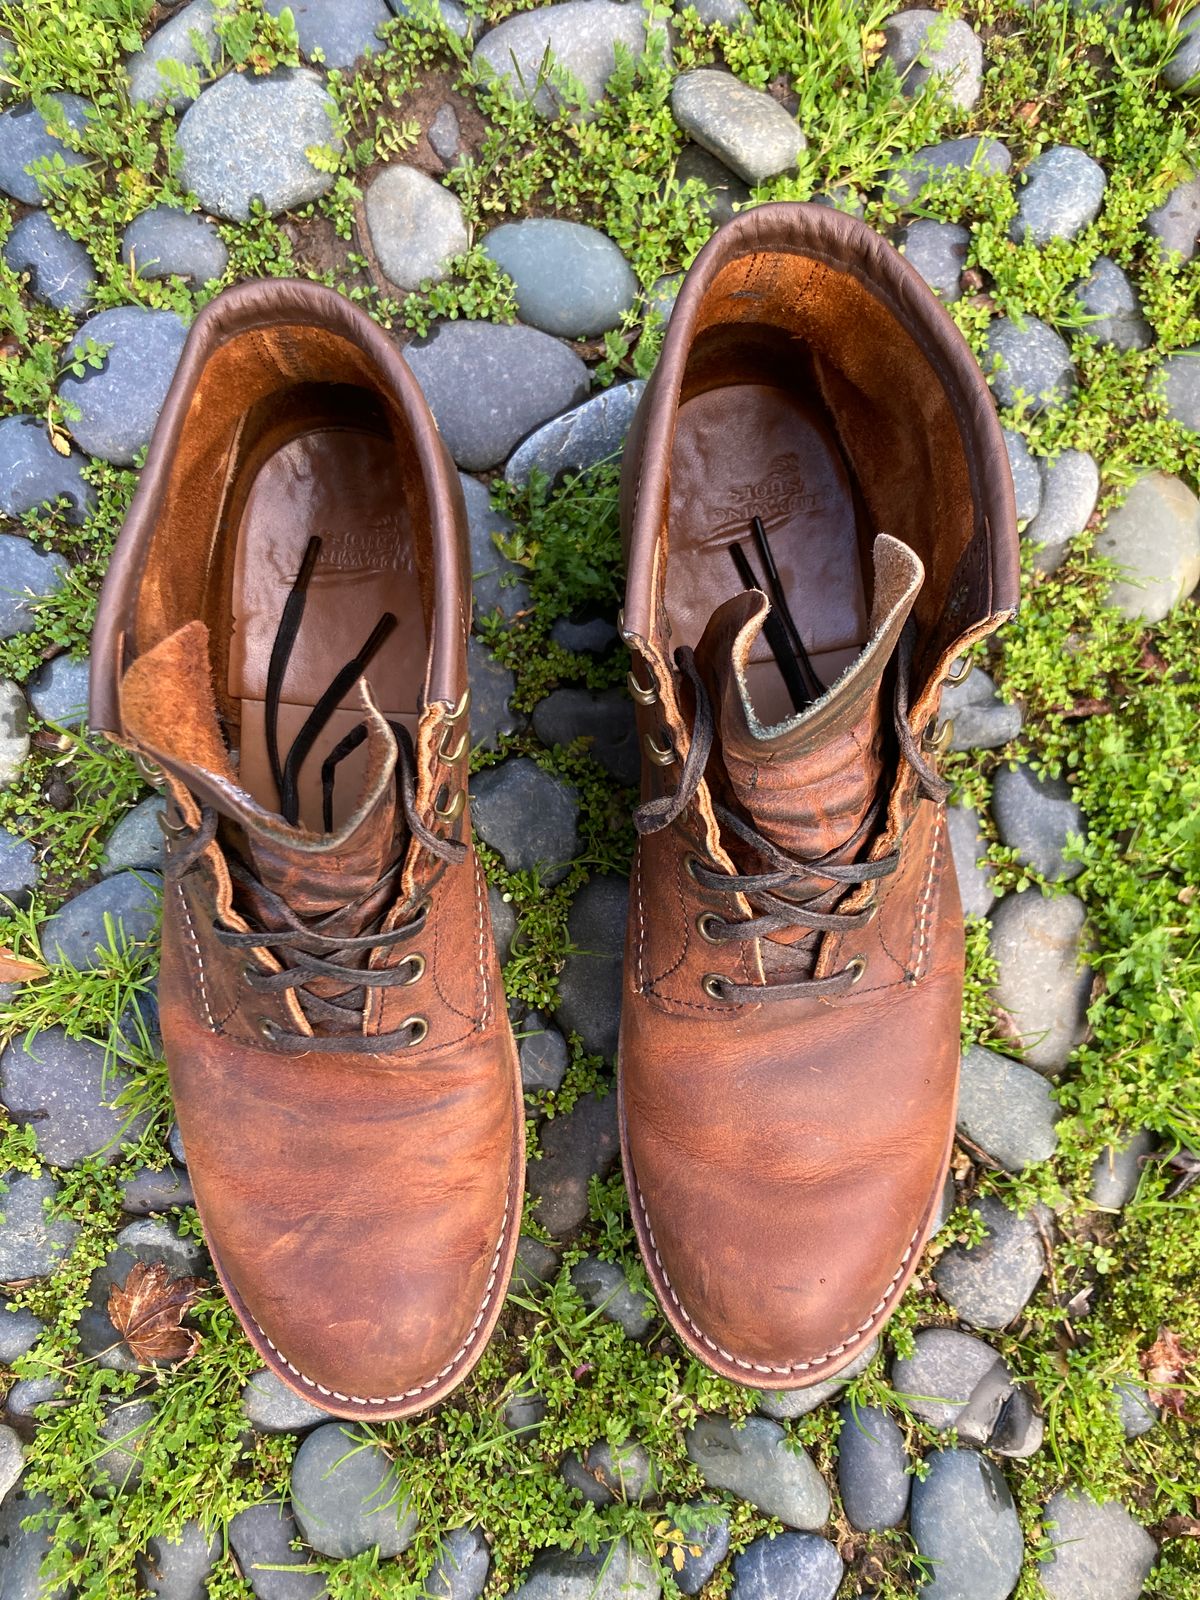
195	944
921	937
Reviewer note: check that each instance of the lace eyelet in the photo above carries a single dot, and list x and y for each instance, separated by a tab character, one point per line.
857	966
460	709
713	985
452	755
872	911
169	828
705	924
149	771
249	971
417	963
448	809
420	1027
960	670
690	863
939	741
643	696
267	1028
661	755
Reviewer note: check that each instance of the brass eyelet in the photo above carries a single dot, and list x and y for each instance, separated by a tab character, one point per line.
460	709
938	742
690	864
451	756
858	967
872	911
713	985
644	697
704	926
447	810
267	1028
662	756
417	963
420	1028
249	971
150	771
168	828
965	667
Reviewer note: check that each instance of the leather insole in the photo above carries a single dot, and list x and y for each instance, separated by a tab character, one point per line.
751	449
340	484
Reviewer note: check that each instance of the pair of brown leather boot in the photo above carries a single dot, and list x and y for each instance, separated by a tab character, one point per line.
819	521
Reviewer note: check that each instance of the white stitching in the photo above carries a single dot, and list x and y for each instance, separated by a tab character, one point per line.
927	898
191	931
796	1366
484	963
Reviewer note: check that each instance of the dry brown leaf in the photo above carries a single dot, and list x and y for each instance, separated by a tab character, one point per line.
148	1311
1165	1366
14	970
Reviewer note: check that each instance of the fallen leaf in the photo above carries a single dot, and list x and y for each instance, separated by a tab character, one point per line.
14	970
148	1311
1165	1366
1182	1527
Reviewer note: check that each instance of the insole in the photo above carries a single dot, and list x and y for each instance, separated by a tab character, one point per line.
341	485
753	450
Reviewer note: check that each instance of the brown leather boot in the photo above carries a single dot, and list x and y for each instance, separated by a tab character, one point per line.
819	519
283	632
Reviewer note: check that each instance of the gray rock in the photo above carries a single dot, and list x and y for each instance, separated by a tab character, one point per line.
416	226
982	721
65	1090
543	1053
492	689
943	1374
528	815
938	250
60	269
589	989
504	923
119	401
1182	71
603	718
175	1144
32	473
842	198
575	1148
461	1569
12	1460
178	1569
872	1466
24	1550
1135	1409
704	1526
1037	943
1006	1109
1176	223
347	1497
245	139
342	30
1098	1551
1153	538
735	15
964	1522
1070	489
925	44
165	243
137	840
725	191
124	1429
1027	476
14	732
27	575
747	130
1033	362
451	15
489	385
189	39
990	1283
28	1395
931	164
609	1473
78	933
59	692
755	1463
1061	192
580	36
968	846
444	134
271	1407
20	1330
18	869
665	290
1118	1171
1036	816
594	637
1110	301
570	280
148	1192
261	1538
1181	387
536	1263
31	1245
490	571
591	433
25	137
613	1572
603	1287
787	1404
524	1412
790	1566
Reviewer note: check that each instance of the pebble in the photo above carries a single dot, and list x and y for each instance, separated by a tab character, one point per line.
745	128
524	1412
78	934
1176	223
580	35
788	1566
24	1550
165	243
982	720
490	385
990	1283
735	15
1061	192
245	139
342	30
119	401
704	1526
543	1053
1135	1409
1026	474
589	988
934	162
787	1404
26	138
32	473
178	1569
31	1245
1153	538
416	226
1118	1171
872	1467
1036	942
346	1496
452	16
261	1538
603	1287
1036	816
137	840
757	1463
613	1572
64	1089
461	1569
60	270
603	718
492	689
1006	1109
926	44
26	1397
124	1429
570	280
20	1330
725	191
575	1148
581	438
964	1522
14	732
1033	362
271	1407
938	250
504	923
609	1473
943	1374
968	846
149	1191
12	1460
593	636
490	570
1070	489
26	574
59	692
1181	387
529	816
1108	298
1099	1551
174	41
1182	71
536	1263
444	133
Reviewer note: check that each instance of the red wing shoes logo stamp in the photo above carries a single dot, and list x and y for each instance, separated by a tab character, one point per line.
782	494
365	547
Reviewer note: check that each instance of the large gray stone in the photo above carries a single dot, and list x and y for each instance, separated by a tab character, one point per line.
705	1529
982	720
347	1496
603	1287
59	692
1111	304
1006	1109
574	1148
591	433
1026	474
968	846
1060	194
497	581
124	1429
20	1330
589	989
543	1053
1181	387
492	689
933	163
127	902
165	243
609	1473
32	473
1070	489
271	1407
178	1569
1036	817
604	718
570	280
580	36
1118	1170
942	1377
1028	359
724	192
1099	1552
27	575
18	869
1176	222
755	1462
1182	71
31	1245
261	1538
938	250
14	732
990	1283
927	44
614	1572
788	1566
60	269
747	130
787	1404
342	30
528	815
137	840
964	1522
461	1569
12	1459
23	1551
872	1466
119	401
188	39
1153	538
26	137
65	1090
416	226
1037	943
